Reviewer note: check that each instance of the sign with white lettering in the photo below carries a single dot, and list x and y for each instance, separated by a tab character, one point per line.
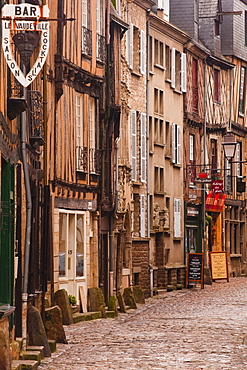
195	268
17	20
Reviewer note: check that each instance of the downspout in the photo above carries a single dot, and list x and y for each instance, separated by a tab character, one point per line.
28	224
151	270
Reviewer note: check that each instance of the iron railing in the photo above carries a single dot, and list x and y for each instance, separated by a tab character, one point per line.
88	160
86	41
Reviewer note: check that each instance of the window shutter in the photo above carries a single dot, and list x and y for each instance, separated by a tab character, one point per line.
133	149
143	148
173	77
142	54
130	46
166	10
142	215
178	159
173	143
177	218
161	4
183	72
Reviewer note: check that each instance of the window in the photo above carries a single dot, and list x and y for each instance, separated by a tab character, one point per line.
136	49
216	85
100	46
150	53
239	159
178	70
159	180
79	131
164	5
143	148
86	32
92	125
158	131
142	216
228	175
176	144
195	85
168	139
216	27
133	145
158	53
158	101
191	148
168	62
242	91
177	218
71	244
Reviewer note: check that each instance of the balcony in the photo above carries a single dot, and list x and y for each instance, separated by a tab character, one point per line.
86	42
36	121
100	48
88	160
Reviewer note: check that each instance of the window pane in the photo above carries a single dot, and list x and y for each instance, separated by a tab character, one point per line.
62	242
79	246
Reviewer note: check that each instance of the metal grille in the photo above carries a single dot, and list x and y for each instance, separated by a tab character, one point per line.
86	41
35	102
100	47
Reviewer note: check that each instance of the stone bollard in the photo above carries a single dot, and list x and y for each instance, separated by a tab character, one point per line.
62	300
129	299
53	324
36	330
96	300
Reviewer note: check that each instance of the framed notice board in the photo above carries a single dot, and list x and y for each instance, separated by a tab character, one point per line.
219	265
195	268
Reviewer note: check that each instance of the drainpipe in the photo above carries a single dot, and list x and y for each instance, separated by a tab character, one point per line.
151	270
28	223
28	219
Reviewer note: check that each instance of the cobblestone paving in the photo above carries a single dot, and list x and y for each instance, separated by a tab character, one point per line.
187	329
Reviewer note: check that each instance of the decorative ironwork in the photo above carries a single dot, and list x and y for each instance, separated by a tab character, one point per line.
35	103
88	160
100	47
86	41
82	158
195	99
16	90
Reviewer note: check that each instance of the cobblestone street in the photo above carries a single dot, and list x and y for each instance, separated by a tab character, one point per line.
187	329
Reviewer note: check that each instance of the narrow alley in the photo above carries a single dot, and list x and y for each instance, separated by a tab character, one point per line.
187	329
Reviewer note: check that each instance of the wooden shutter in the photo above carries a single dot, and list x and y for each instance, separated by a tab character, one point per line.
178	145
143	148
133	147
177	218
173	71
173	143
142	216
183	72
142	54
238	158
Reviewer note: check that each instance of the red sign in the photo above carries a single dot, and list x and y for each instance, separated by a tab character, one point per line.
215	202
217	186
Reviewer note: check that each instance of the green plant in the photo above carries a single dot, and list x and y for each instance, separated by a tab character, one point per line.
208	220
72	300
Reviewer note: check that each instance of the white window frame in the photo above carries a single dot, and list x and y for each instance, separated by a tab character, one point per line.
92	126
142	216
176	144
183	73
79	121
177	218
143	148
142	52
191	147
129	46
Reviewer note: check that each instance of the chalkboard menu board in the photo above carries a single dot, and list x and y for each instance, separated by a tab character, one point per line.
195	268
219	266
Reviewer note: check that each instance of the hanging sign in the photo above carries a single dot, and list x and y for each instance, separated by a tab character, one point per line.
28	23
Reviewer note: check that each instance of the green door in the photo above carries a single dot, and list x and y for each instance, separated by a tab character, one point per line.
7	234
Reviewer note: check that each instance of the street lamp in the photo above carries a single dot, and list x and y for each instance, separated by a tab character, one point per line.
229	146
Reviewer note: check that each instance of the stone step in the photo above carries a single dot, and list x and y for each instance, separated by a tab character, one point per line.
31	355
20	341
15	367
25	364
53	345
87	316
38	349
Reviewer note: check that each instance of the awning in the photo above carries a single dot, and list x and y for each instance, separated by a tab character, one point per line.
215	202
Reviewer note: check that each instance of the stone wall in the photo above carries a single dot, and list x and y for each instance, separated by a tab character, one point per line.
140	258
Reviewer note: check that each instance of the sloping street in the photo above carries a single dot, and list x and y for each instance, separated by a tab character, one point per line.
187	329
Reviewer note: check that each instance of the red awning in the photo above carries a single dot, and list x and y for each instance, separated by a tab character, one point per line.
215	202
